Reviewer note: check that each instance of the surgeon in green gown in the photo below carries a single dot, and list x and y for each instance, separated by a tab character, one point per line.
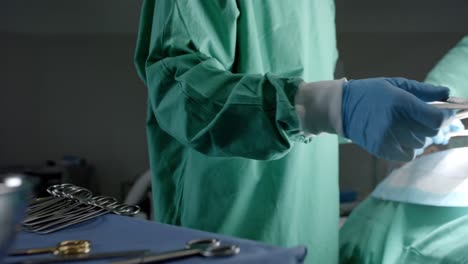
236	112
388	231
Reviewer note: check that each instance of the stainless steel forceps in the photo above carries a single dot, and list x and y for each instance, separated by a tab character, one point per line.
68	206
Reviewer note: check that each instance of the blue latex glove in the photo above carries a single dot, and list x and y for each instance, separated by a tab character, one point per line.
443	137
389	117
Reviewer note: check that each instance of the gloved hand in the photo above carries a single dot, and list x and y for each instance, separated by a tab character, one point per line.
389	117
443	137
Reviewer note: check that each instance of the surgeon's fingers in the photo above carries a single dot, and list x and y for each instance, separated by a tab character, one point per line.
410	137
423	91
417	111
393	150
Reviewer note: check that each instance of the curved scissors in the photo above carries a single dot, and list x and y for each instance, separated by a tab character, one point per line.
70	205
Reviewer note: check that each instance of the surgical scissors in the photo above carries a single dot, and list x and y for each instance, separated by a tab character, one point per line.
64	248
70	205
60	194
210	247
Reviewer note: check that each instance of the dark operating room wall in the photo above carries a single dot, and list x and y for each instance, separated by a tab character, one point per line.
68	86
73	94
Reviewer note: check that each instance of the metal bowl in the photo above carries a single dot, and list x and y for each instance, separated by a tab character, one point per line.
14	198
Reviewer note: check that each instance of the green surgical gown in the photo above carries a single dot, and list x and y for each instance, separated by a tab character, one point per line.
226	153
386	232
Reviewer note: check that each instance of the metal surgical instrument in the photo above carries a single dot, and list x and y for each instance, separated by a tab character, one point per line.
64	248
70	205
460	105
210	247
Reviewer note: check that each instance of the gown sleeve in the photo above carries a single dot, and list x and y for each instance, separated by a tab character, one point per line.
185	54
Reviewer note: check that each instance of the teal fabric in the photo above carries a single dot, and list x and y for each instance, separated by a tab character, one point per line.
225	149
389	232
452	70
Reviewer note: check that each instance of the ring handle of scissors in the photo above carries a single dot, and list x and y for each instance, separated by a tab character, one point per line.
51	189
73	247
83	196
72	250
75	243
66	190
222	250
202	243
123	209
60	190
211	247
103	201
72	191
79	194
55	190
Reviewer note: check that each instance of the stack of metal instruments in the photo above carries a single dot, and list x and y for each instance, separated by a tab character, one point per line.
69	205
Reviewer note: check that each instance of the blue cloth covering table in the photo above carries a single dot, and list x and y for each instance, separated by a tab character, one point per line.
119	233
